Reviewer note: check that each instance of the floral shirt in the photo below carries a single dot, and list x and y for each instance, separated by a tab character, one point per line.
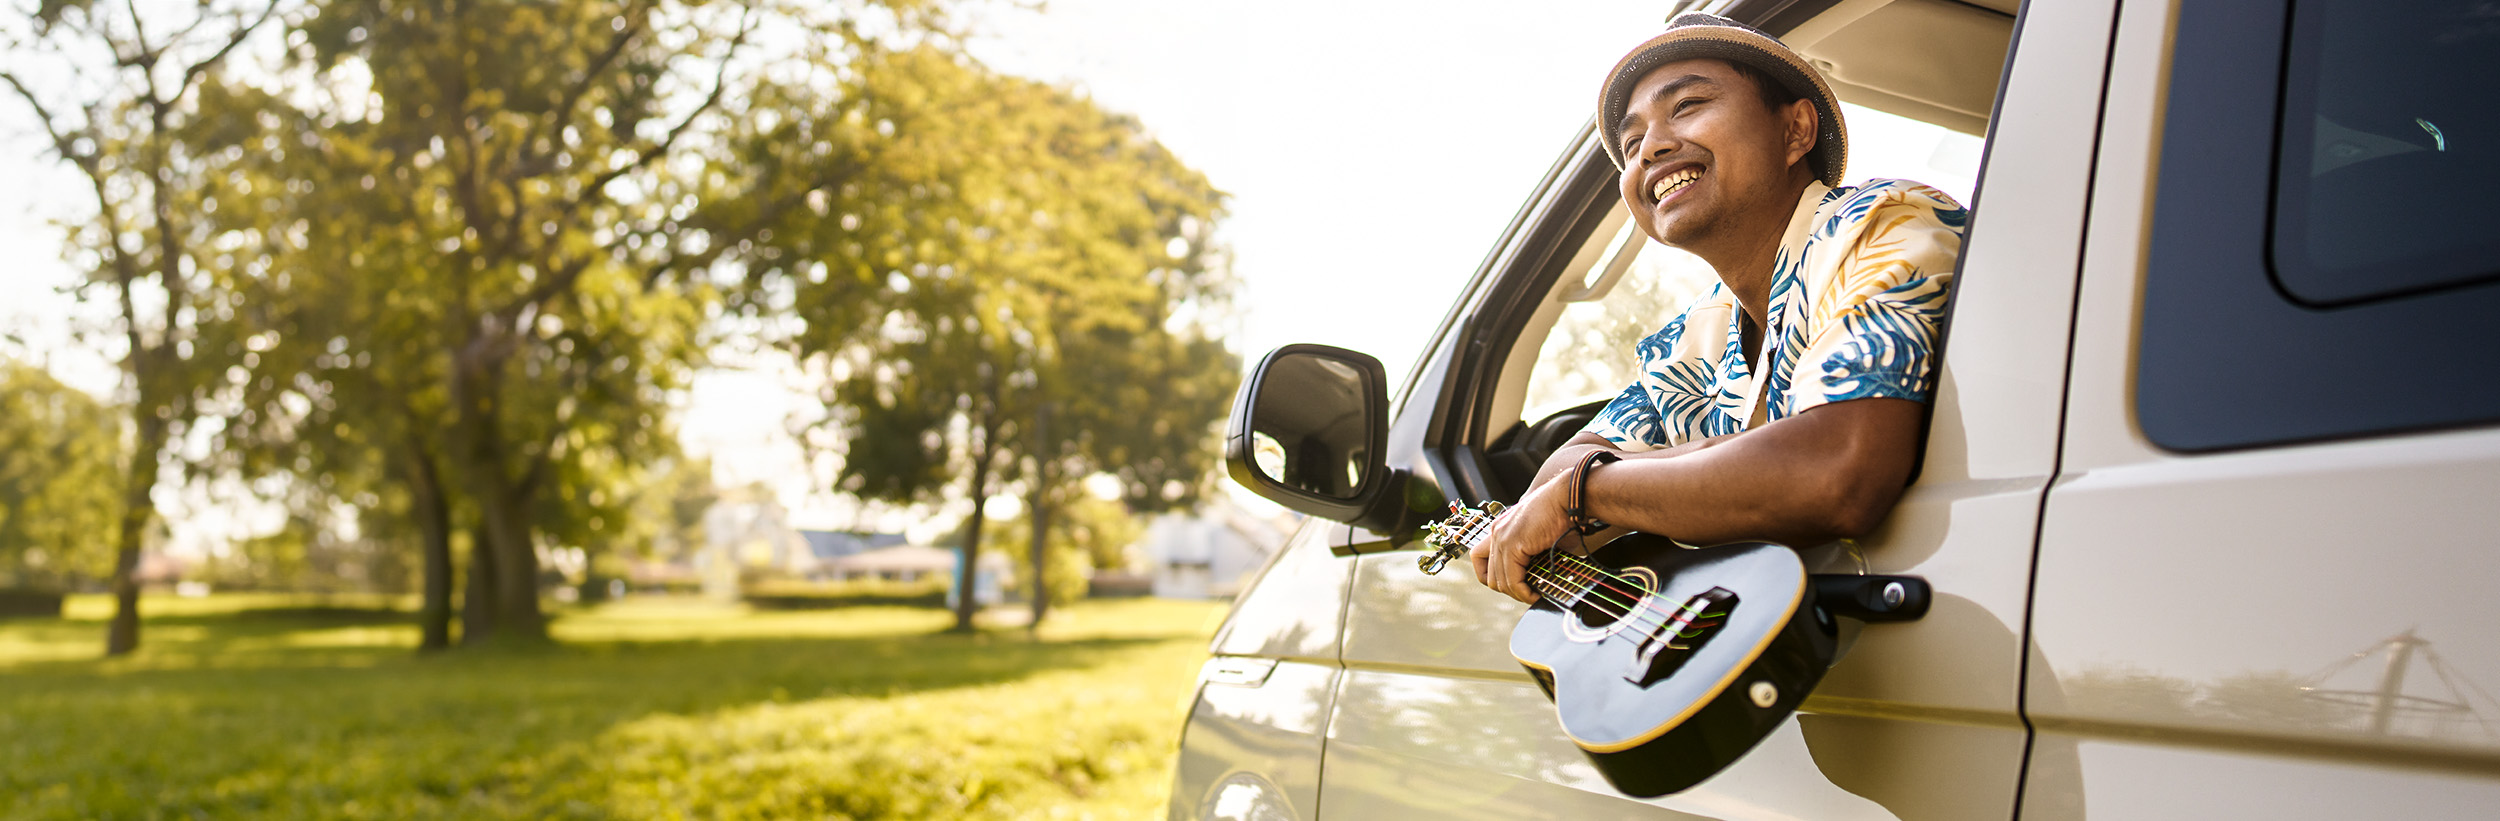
1857	297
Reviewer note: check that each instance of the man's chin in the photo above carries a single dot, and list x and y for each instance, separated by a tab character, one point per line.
1680	230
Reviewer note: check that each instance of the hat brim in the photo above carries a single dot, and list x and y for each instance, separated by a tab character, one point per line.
1720	39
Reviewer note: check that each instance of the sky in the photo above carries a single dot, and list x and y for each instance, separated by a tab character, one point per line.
1372	152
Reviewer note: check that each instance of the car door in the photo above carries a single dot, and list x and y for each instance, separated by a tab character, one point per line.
2265	577
1918	720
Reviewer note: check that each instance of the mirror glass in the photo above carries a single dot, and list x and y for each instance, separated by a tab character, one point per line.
1309	429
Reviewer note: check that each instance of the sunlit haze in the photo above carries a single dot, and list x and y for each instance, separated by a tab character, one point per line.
1372	152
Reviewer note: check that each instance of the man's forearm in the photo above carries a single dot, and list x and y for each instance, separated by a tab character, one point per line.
1568	456
1831	472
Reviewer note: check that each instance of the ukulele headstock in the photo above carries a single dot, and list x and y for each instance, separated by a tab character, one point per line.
1451	538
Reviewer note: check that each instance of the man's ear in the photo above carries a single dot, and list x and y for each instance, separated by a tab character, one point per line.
1804	129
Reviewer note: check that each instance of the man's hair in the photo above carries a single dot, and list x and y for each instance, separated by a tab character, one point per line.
1774	96
1773	93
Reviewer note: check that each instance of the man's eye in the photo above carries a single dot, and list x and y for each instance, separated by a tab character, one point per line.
1688	103
1628	145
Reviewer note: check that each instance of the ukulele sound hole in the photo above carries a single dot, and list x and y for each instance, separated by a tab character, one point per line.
1612	605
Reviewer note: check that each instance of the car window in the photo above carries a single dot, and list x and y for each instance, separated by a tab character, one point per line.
1587	357
2388	121
2329	292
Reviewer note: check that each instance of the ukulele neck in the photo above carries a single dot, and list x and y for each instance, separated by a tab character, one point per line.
1556	574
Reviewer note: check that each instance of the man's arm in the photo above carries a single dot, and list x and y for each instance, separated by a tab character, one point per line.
1568	456
1833	471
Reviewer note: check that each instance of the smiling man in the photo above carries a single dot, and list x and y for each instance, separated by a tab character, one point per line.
1786	404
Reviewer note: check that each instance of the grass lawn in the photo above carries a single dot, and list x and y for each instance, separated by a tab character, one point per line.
272	706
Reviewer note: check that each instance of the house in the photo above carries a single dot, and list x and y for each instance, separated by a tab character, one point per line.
827	545
1212	552
757	535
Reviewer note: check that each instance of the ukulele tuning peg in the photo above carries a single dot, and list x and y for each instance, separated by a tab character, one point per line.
1432	562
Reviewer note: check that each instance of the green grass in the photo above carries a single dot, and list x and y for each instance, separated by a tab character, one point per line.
273	706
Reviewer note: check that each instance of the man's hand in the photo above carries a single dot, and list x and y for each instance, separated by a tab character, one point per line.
1523	531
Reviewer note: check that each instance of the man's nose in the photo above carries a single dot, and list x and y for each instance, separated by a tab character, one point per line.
1657	143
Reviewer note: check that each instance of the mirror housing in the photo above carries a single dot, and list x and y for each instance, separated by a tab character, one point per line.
1309	430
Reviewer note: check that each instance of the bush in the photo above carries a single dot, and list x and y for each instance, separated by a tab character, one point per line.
16	602
929	592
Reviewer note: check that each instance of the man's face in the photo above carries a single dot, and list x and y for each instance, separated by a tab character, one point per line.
1702	153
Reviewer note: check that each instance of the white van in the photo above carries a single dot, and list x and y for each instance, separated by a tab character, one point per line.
2208	501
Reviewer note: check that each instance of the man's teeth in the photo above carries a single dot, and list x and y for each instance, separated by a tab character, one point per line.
1673	182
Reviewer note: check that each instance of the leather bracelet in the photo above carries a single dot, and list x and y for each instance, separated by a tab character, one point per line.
1579	509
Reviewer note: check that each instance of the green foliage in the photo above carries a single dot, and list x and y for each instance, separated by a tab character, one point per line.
130	119
261	706
1085	533
59	481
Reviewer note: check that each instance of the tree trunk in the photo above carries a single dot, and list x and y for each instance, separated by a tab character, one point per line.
433	514
138	510
482	456
965	607
477	602
1037	510
516	568
1037	506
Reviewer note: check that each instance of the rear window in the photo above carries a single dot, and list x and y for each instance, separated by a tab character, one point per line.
2388	148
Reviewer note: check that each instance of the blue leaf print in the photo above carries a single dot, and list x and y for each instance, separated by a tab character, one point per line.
1683	394
1660	345
1891	348
1629	419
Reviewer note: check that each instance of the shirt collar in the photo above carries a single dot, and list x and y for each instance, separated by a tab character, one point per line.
1801	219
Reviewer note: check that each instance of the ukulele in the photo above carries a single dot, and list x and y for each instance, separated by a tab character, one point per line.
1667	663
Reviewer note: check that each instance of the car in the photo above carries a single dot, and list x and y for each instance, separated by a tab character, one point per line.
2206	500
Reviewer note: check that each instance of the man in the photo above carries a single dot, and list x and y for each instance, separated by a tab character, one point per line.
1786	404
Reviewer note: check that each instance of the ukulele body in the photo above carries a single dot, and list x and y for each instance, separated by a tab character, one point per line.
1721	645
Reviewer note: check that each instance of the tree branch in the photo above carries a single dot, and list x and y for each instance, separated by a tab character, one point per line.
196	69
596	190
598	65
64	143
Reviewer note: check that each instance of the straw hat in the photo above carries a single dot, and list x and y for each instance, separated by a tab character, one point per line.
1695	35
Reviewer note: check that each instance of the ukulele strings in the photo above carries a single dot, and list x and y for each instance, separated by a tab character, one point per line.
1682	618
1594	578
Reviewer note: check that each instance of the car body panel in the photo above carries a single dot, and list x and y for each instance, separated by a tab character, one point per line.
2214	634
1432	744
1252	748
1252	744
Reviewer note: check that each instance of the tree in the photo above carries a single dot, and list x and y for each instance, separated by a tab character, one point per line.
1018	314
1084	533
118	87
58	497
500	236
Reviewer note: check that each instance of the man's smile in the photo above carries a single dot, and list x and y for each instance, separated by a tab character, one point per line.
1671	179
1673	183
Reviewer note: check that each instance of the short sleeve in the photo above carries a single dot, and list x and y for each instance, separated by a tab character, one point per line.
1664	405
1878	314
1630	421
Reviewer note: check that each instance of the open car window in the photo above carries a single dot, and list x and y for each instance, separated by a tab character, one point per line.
1586	352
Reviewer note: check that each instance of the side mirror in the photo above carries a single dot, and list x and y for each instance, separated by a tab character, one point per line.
1308	431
